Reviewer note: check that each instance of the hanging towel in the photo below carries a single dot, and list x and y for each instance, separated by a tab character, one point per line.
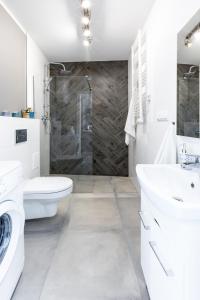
138	61
130	127
167	151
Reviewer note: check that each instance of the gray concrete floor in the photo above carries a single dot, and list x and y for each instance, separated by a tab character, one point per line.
90	250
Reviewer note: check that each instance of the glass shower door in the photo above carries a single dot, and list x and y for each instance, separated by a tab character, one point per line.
188	107
71	123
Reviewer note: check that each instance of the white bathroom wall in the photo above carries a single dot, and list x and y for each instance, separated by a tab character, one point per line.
28	152
164	22
36	62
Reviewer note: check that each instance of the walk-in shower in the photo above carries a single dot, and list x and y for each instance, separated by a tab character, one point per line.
71	123
87	112
188	98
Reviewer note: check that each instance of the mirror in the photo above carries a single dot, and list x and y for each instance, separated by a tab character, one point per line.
188	87
12	64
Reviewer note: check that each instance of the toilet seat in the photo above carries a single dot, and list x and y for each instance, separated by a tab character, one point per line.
47	187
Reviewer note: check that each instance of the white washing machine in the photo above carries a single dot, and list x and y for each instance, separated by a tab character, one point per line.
11	227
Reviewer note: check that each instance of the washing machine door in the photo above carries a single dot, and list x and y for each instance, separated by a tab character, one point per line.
11	224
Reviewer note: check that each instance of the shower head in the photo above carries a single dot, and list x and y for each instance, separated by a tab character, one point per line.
65	72
190	73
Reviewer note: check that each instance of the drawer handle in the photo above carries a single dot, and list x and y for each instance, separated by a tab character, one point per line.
141	214
167	271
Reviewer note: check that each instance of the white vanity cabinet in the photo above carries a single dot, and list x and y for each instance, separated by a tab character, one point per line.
167	255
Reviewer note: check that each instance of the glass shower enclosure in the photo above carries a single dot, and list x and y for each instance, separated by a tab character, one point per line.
71	125
188	108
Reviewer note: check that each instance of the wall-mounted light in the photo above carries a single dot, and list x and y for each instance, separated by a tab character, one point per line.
194	34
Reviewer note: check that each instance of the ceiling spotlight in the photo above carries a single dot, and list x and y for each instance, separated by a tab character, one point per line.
85	20
197	34
86	43
85	4
86	32
188	43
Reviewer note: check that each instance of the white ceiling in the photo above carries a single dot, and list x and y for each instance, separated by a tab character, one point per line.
55	26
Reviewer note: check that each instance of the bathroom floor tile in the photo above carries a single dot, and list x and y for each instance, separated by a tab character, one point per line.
91	265
40	249
132	237
93	195
85	177
94	213
124	187
90	250
84	186
129	208
48	225
103	187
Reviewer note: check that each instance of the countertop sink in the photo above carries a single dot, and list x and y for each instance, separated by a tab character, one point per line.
172	189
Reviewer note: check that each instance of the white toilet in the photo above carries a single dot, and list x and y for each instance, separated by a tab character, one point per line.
42	194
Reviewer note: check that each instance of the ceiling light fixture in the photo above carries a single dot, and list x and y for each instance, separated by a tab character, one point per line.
194	34
188	43
85	20
197	34
85	4
86	43
86	32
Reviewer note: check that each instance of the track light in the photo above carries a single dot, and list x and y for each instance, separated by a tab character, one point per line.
85	20
86	43
85	4
86	32
197	34
188	43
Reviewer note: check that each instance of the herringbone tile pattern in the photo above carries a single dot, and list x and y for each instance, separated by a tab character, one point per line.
107	154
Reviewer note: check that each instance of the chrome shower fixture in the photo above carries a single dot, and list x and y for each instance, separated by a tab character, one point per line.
190	73
194	34
63	71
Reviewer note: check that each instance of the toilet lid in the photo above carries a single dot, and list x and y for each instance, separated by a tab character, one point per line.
47	185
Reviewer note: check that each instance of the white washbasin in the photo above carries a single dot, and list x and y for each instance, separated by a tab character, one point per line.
173	190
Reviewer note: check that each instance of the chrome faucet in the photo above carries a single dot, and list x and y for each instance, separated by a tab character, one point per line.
189	160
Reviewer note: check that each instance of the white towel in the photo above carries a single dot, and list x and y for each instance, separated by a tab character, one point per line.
167	151
130	127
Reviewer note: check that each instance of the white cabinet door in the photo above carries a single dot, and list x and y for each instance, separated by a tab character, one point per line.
157	269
